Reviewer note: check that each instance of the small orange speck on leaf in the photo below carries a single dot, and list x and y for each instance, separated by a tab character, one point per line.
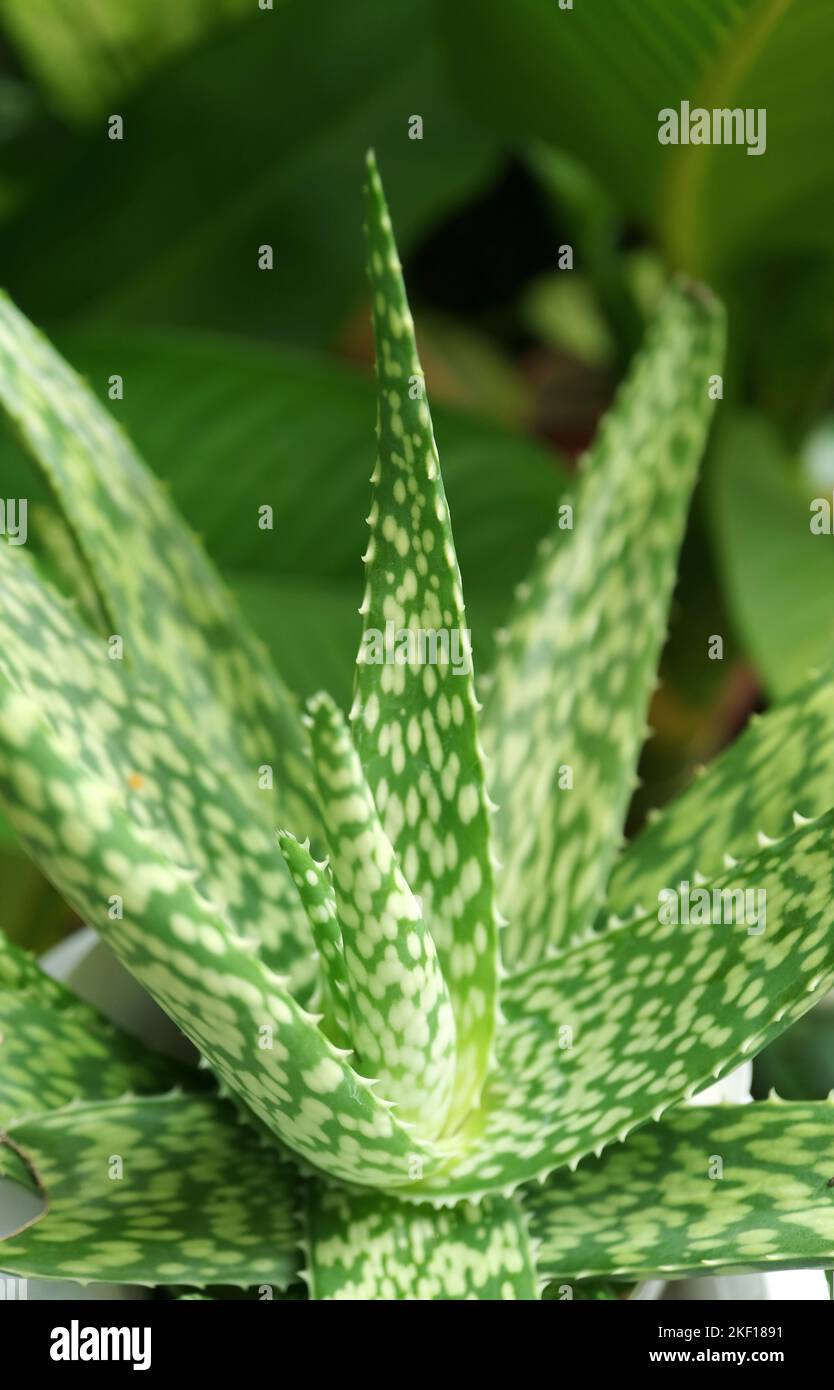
136	781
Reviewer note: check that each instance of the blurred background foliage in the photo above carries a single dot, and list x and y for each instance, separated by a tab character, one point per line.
246	126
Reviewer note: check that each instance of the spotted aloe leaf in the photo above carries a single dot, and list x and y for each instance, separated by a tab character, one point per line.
401	1019
363	1246
158	590
779	772
607	1035
201	804
107	1170
723	1188
415	712
315	887
564	718
55	1049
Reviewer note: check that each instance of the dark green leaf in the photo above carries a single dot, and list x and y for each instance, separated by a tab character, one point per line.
256	138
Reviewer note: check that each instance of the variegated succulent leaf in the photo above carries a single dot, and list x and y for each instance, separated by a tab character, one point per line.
155	1190
564	718
605	1036
415	711
778	773
318	896
363	1246
204	807
716	1190
401	1021
55	1049
161	596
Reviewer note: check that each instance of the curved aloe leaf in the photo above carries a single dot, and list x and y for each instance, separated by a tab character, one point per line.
779	771
608	1035
415	713
160	593
719	1189
564	719
363	1247
203	811
54	1048
110	1170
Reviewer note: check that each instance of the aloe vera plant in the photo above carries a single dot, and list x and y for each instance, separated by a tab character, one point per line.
446	1039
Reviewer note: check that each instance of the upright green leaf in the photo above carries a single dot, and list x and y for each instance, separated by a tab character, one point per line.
401	1020
719	1189
366	1247
565	715
160	1190
315	888
415	713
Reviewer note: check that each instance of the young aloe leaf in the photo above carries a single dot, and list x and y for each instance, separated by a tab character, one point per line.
401	1020
55	1049
161	595
415	712
110	1169
565	716
366	1247
719	1189
778	771
318	896
207	813
609	1034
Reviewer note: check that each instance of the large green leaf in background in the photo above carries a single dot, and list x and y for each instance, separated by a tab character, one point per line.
234	426
256	137
591	81
778	574
85	55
